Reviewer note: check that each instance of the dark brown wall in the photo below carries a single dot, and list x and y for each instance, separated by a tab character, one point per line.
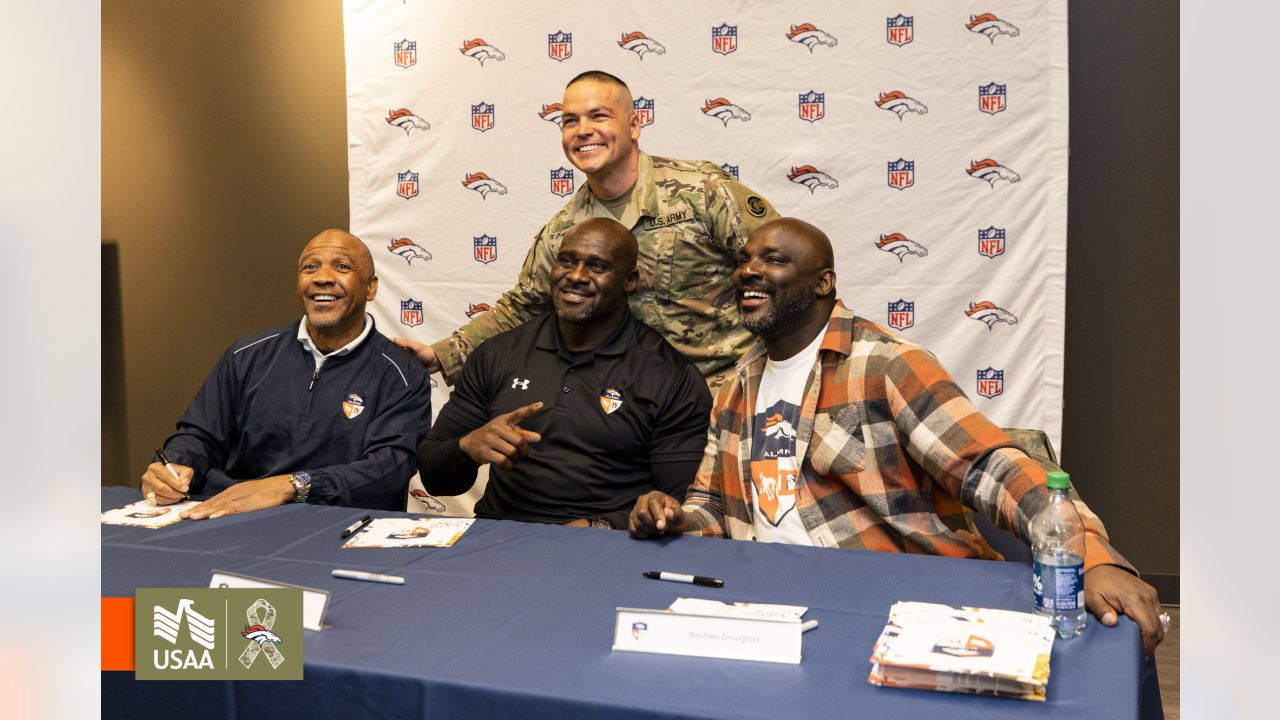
224	150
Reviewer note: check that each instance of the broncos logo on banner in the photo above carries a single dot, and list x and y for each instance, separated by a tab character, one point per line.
809	36
901	245
483	184
811	177
987	312
895	101
724	111
991	26
409	250
551	113
991	171
406	120
639	43
480	50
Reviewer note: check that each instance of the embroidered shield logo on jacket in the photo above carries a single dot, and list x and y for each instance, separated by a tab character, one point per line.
610	401
352	406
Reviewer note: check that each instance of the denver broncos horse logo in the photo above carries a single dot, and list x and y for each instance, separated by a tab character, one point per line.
991	171
483	184
809	36
987	312
901	245
639	43
261	635
811	177
409	250
480	50
406	120
551	113
895	101
990	26
724	111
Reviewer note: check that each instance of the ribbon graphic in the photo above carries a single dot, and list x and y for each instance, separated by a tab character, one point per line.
261	639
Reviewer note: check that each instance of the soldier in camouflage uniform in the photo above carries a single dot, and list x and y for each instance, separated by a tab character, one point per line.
689	219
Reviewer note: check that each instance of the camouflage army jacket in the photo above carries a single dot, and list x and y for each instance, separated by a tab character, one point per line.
689	218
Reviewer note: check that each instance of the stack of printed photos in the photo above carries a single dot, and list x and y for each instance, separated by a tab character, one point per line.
964	650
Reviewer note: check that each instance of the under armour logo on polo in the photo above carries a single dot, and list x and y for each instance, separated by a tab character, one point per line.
518	383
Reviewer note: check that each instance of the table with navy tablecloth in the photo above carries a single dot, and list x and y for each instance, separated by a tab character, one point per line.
516	620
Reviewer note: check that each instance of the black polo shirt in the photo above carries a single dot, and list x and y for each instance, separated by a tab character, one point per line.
628	417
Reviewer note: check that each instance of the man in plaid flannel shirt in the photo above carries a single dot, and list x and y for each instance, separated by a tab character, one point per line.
882	451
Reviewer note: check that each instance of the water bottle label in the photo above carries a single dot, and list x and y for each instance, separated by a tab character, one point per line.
1059	588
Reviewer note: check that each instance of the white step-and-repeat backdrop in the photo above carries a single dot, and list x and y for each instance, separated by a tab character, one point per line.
927	138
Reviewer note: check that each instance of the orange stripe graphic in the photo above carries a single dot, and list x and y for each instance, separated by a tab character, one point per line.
117	633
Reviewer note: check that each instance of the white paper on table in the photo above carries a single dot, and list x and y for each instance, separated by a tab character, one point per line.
760	611
144	514
410	532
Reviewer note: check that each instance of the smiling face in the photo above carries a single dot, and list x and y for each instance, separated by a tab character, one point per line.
781	275
599	132
593	272
335	281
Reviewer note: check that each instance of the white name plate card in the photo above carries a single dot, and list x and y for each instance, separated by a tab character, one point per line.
700	635
314	602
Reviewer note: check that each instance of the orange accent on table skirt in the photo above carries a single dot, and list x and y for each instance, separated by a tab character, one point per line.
117	633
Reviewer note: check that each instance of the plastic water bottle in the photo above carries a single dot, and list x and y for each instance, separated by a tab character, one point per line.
1057	548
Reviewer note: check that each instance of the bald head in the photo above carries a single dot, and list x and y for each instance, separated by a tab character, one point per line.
346	242
786	284
615	236
802	234
335	282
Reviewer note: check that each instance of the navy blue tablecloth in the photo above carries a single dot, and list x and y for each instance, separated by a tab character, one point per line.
516	620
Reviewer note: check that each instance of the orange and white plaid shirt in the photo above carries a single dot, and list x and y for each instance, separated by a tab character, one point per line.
894	455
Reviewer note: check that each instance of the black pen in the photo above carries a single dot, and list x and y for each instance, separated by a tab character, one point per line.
679	577
356	526
165	459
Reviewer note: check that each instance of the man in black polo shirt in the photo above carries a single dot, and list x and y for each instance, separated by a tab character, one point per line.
579	411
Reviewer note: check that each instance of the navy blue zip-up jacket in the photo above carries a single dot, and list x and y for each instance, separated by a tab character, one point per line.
354	427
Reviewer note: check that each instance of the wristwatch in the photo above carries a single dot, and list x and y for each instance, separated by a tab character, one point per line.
600	522
301	486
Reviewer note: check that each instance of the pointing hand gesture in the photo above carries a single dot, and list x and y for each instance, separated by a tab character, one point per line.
502	441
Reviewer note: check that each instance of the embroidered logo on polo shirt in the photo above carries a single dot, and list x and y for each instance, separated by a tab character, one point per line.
610	401
518	383
352	406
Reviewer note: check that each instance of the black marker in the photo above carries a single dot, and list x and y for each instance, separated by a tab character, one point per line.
356	526
172	471
691	579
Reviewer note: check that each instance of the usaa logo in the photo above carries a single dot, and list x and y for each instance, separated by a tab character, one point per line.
897	102
560	46
731	169
482	116
475	309
987	312
991	171
639	43
562	181
990	382
485	249
480	50
901	174
902	314
409	250
901	246
406	53
407	184
812	178
644	110
989	25
724	39
411	312
813	106
809	36
991	98
406	120
724	111
483	184
991	241
899	29
551	113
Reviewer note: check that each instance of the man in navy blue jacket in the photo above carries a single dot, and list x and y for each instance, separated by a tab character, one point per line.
326	411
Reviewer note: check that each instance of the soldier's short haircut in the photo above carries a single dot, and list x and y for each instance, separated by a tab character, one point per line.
600	76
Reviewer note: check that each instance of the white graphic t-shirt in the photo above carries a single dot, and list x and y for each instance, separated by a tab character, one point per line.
775	469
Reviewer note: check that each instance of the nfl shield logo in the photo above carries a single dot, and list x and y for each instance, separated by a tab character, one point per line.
644	110
411	312
560	46
724	39
482	116
407	184
902	174
898	30
991	241
352	406
610	401
638	629
486	249
731	169
812	106
902	314
562	181
990	382
991	98
406	53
